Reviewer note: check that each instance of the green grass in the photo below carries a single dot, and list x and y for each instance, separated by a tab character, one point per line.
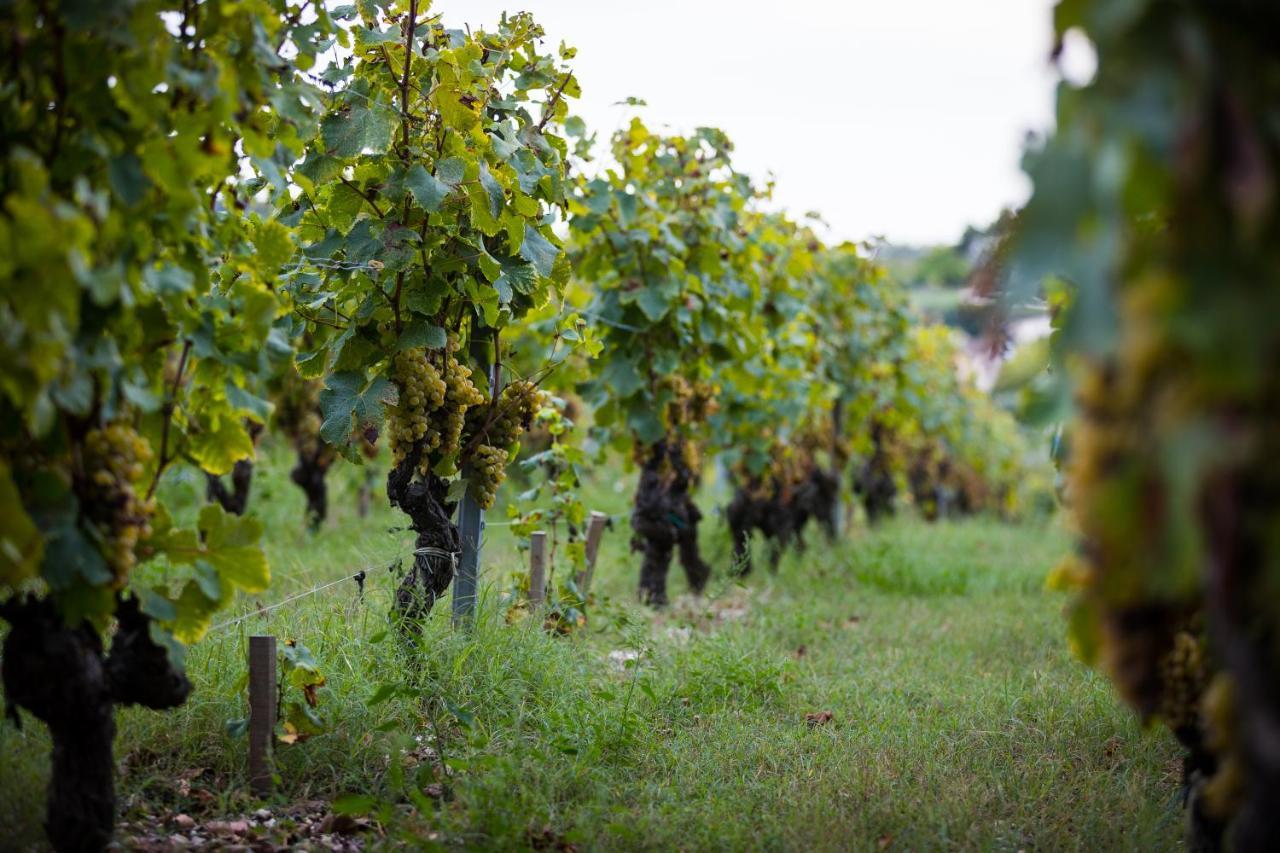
959	718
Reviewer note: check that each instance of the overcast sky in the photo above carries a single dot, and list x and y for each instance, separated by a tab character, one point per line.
901	118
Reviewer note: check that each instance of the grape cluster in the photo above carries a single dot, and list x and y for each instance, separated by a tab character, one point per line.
503	424
1182	673
422	391
691	402
499	425
460	394
115	459
1224	791
489	469
702	402
433	405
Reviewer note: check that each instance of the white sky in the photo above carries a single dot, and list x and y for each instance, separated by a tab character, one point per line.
901	118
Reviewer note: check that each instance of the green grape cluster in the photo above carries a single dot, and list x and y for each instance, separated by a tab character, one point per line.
422	391
1183	677
460	395
307	436
489	469
1224	792
115	459
503	424
433	405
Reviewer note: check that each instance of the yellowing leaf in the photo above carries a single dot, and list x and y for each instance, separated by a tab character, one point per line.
217	449
232	545
21	544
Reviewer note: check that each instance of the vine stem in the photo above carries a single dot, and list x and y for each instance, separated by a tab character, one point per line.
555	99
169	405
410	25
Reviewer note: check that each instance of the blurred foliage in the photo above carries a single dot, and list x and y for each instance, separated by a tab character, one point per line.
137	286
1156	201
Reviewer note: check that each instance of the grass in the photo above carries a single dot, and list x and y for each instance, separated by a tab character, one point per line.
958	717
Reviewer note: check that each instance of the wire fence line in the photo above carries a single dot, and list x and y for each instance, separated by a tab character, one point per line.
360	577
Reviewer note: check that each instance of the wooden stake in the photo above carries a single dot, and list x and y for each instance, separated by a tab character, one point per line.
471	534
595	532
537	568
262	712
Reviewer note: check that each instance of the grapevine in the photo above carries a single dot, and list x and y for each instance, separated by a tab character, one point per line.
434	246
137	291
1170	263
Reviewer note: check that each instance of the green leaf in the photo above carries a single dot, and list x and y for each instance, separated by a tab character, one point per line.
422	333
622	376
242	400
492	189
232	546
457	491
491	269
127	178
539	251
653	303
194	614
357	129
427	190
451	170
274	243
646	424
349	403
521	278
169	280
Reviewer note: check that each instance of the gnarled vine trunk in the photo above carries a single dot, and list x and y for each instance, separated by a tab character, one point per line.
817	499
78	705
235	500
767	512
309	475
364	497
665	520
874	482
437	544
781	516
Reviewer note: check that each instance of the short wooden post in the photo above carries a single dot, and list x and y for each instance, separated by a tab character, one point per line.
262	712
595	532
537	568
